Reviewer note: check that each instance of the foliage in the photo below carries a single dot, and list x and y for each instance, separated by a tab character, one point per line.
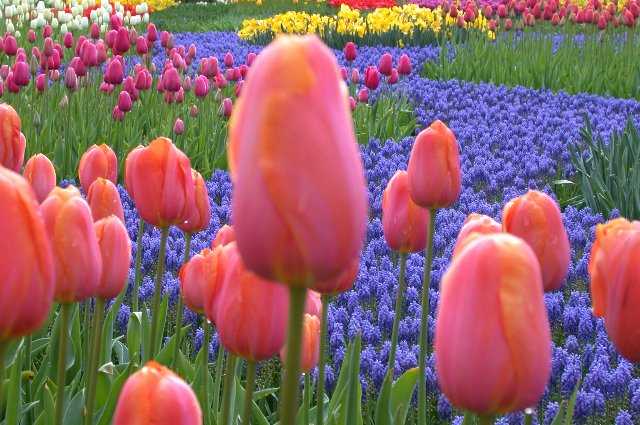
390	116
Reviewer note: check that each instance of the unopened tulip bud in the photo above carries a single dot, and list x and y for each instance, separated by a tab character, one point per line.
178	126
97	161
104	200
12	141
41	175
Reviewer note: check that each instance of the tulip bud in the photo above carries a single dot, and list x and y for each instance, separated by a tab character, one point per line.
10	45
114	73
371	77
68	40
158	178
104	200
201	86
121	43
404	223
94	31
310	344
152	33
355	76
70	79
78	67
124	101
89	54
536	218
224	236
228	60
352	103
115	249
31	36
97	161
171	80
404	65
193	111
363	95
250	58
492	291
155	395
200	209
21	74
227	107
350	51
385	64
197	276
165	39
41	175
178	126
12	141
27	269
474	226
117	114
393	77
77	260
434	167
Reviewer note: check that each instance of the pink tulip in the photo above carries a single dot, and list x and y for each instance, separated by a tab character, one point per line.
201	86
94	30
171	80
224	236
21	74
97	161
363	95
124	101
475	226
228	60
10	45
68	40
41	175
89	54
117	114
104	200
70	79
114	73
404	65
31	36
115	250
12	141
385	64
178	126
371	77
350	51
152	33
142	48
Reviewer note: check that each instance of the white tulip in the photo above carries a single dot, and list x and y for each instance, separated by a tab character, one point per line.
64	29
10	27
145	18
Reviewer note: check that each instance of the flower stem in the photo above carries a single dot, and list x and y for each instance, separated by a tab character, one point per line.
289	396
180	308
164	233
485	420
248	394
528	418
326	299
27	362
138	275
424	322
94	360
398	314
216	383
226	391
205	368
62	361
3	352
306	399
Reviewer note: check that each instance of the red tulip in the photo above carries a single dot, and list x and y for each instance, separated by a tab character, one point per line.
363	95
104	200
158	178
12	141
152	32
287	194
115	249
404	65
76	253
124	101
224	236
434	167
97	161
393	77
310	344
21	73
385	64
89	54
142	48
475	226
201	86
536	218
200	209
114	73
228	60
41	175
371	77
404	223
614	271
26	262
70	79
94	30
171	80
350	51
492	305
250	313
156	396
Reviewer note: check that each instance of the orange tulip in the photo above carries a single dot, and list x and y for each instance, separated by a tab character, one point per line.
76	254
310	344
97	161
115	248
404	223
615	284
104	200
535	217
474	226
26	262
41	174
156	396
299	200
200	208
158	178
196	276
12	141
216	266
225	235
492	305
250	313
313	304
434	167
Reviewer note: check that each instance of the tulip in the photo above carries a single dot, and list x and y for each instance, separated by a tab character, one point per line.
492	305
227	107
371	77
10	45
355	76
171	80
70	79
201	86
104	200
393	77
250	58
404	65
124	101
28	281
21	74
310	344
11	84
404	222
341	283
68	40
224	236
474	226
89	54
31	36
142	48
350	51
363	95
121	42
434	167
115	249
12	141
228	60
156	396
41	175
152	33
200	210
193	111
197	276
165	39
129	86
536	218
352	103
78	67
385	64
613	268
94	31
179	95
97	161
114	73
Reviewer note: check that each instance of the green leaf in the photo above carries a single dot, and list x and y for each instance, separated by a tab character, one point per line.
134	335
116	386
164	357
14	401
568	420
383	405
559	418
107	329
73	415
401	394
103	384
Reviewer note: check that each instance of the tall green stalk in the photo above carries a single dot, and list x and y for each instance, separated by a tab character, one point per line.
398	314
322	361
164	233
215	402
424	322
138	274
180	308
288	400
27	363
226	391
485	420
3	352
248	392
94	360
205	368
62	363
306	399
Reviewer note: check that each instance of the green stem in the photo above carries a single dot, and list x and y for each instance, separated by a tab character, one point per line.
226	391
205	368
164	233
248	394
94	360
27	363
88	334
424	322
138	275
322	361
306	400
528	417
3	352
217	382
485	420
62	363
398	314
180	308
289	396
